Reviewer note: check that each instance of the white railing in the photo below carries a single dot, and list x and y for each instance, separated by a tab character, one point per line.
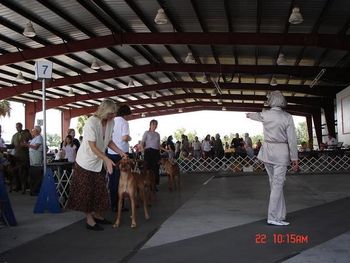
323	163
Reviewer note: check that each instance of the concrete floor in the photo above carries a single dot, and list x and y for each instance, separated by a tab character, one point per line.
199	224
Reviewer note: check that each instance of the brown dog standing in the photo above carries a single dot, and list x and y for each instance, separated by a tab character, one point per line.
173	171
128	187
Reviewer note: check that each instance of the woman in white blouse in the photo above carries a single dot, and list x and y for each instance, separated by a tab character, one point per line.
88	192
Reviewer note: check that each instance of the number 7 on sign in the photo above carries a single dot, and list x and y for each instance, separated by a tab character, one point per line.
43	70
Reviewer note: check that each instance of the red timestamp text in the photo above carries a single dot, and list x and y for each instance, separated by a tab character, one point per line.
282	238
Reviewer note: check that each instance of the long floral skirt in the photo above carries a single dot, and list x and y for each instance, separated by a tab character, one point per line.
88	191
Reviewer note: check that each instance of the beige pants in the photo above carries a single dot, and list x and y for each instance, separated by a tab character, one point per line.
277	204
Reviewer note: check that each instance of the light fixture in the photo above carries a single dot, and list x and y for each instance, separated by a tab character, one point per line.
273	81
213	93
170	103
143	114
29	30
190	58
219	102
296	17
161	18
204	79
95	65
281	60
154	95
131	84
223	108
20	77
180	110
70	92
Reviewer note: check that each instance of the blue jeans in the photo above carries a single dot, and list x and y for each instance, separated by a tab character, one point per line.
113	183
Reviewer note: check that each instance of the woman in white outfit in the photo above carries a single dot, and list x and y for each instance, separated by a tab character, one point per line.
279	148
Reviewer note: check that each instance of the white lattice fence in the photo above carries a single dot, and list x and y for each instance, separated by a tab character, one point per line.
62	180
319	164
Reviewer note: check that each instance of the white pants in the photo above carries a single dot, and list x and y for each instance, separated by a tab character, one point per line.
277	204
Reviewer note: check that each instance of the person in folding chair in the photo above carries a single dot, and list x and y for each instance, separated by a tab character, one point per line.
277	152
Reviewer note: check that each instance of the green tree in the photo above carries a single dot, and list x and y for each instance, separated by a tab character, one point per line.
53	140
5	108
302	135
178	133
81	124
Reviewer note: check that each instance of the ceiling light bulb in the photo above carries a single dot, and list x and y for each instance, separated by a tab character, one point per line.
296	17
180	110
70	92
143	115
161	18
213	93
223	108
29	30
95	65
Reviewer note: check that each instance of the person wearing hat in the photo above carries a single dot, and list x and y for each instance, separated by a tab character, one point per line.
277	152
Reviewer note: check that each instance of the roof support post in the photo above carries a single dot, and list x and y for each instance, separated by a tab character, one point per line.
316	115
328	106
29	115
309	129
65	118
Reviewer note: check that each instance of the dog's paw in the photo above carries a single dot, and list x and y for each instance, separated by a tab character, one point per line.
116	224
133	225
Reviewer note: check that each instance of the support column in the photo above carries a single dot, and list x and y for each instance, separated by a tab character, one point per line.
316	115
29	115
66	117
328	106
309	127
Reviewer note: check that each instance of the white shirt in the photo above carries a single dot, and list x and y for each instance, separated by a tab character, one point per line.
70	152
93	132
280	140
36	155
121	128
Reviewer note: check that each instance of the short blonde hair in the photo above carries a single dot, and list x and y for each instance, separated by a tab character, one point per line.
107	106
276	99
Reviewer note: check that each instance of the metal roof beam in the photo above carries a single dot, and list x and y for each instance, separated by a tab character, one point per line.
335	74
194	38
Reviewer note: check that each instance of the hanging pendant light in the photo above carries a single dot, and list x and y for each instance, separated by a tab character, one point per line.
204	79
273	81
95	65
281	60
70	92
29	30
190	59
131	84
161	18
20	77
296	17
154	95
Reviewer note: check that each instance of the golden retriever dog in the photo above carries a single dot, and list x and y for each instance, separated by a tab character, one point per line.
172	169
128	182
